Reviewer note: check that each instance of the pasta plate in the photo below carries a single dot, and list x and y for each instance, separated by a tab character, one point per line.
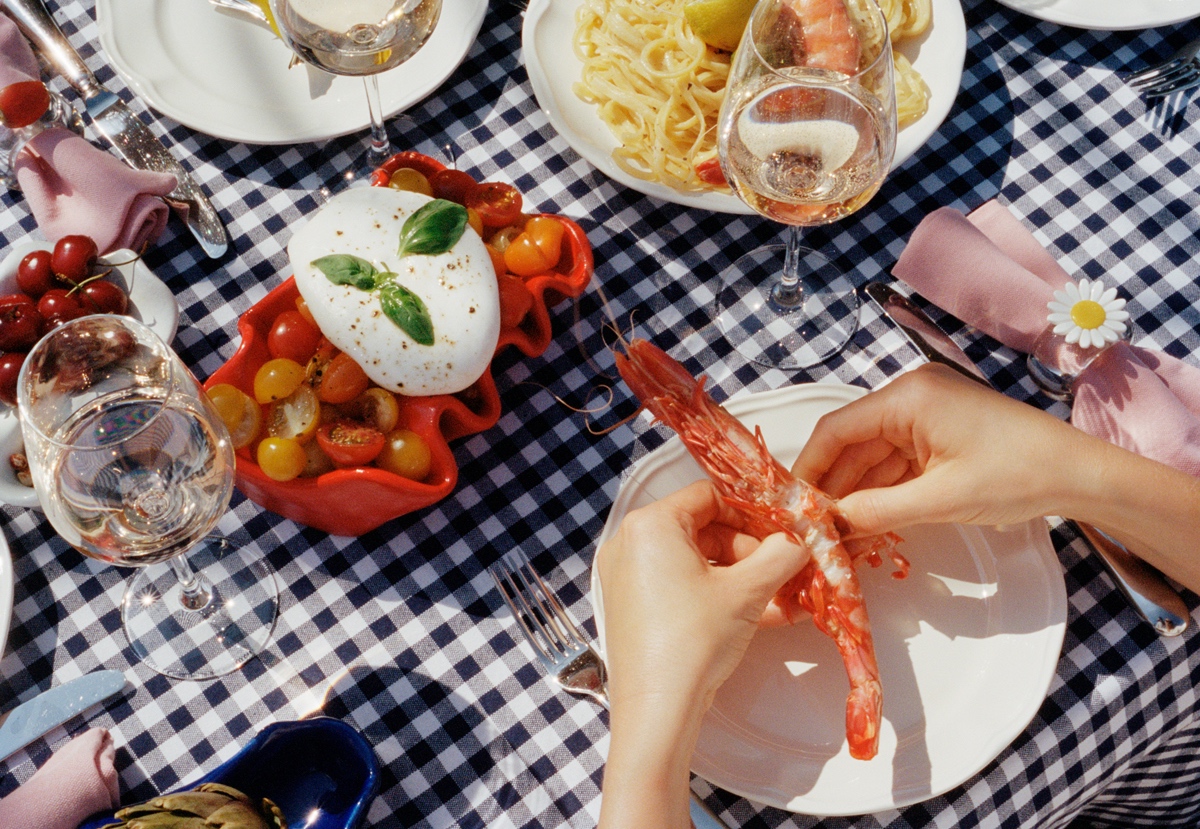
547	39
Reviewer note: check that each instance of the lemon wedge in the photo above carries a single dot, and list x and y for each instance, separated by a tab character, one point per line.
266	8
719	23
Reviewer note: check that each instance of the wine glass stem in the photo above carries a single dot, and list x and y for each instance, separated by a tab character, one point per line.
787	293
381	148
193	594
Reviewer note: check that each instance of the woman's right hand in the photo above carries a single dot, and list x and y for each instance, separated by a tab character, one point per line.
933	446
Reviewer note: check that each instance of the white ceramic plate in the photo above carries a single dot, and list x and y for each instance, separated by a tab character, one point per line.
228	77
1108	15
6	590
967	648
149	301
549	33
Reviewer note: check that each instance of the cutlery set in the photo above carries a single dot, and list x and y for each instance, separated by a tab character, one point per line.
113	119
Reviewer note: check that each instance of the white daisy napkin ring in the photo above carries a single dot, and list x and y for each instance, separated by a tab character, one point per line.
1085	319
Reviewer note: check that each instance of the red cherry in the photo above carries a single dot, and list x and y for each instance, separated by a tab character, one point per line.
74	257
22	103
101	297
58	303
20	326
34	274
10	370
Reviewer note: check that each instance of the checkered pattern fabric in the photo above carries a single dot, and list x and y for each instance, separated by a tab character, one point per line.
401	632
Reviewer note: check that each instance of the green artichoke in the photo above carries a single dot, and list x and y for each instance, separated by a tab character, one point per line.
208	806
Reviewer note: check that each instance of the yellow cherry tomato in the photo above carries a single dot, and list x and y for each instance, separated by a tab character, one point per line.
296	416
475	221
281	459
407	178
524	258
406	453
547	233
276	379
240	413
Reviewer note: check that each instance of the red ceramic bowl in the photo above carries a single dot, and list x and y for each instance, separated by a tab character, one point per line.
356	500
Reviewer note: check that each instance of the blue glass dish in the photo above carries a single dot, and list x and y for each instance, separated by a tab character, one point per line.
321	772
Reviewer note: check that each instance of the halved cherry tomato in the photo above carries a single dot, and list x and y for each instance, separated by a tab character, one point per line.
375	407
503	237
524	258
515	300
276	379
498	203
239	411
452	185
281	459
409	179
295	416
407	454
350	444
293	337
547	233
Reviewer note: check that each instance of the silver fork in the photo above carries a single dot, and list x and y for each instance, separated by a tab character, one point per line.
1176	74
569	659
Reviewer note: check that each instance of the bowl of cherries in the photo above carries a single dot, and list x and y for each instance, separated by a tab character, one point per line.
43	285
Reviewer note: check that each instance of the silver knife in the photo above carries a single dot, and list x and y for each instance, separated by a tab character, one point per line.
50	709
116	122
1145	588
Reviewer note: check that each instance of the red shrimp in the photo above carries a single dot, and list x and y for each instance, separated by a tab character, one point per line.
773	500
822	33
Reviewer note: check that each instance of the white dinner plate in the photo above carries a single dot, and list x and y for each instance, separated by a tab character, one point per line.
547	39
967	647
150	301
6	590
1108	15
226	76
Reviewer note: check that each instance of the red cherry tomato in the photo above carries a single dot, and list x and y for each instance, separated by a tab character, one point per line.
102	297
452	185
34	274
10	370
335	376
22	103
74	257
294	337
20	326
499	204
350	444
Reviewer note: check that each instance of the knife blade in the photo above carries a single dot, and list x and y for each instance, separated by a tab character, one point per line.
1146	589
132	139
50	709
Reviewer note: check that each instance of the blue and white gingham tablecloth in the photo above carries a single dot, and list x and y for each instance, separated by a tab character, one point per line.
401	632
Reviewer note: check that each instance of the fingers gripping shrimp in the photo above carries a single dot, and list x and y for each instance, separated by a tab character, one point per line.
773	500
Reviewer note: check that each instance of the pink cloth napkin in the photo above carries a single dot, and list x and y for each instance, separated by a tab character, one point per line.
78	781
73	186
989	271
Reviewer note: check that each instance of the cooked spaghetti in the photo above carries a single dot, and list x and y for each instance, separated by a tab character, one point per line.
658	87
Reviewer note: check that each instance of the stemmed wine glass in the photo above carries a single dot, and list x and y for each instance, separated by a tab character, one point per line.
807	132
134	467
358	37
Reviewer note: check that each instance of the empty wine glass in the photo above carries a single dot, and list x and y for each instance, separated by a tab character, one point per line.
134	467
807	132
358	37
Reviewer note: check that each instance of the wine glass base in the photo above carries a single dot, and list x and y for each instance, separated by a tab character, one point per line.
234	625
781	335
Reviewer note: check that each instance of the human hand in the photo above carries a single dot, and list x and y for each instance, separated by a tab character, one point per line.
933	446
683	593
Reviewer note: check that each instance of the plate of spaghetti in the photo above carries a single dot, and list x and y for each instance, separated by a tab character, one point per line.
636	93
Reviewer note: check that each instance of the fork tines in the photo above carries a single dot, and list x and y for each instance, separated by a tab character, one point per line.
1178	73
541	616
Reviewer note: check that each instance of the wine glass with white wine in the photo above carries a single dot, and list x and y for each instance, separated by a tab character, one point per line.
134	467
358	37
807	132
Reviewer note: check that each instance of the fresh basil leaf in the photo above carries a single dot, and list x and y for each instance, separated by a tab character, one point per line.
344	269
435	228
406	309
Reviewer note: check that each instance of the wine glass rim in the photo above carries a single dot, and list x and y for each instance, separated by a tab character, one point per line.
159	404
762	8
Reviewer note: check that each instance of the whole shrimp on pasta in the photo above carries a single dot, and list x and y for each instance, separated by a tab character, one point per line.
772	500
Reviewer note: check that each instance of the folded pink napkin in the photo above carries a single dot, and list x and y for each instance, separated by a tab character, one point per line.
78	781
72	186
989	271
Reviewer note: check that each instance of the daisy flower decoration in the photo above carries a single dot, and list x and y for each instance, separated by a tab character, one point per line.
1088	314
